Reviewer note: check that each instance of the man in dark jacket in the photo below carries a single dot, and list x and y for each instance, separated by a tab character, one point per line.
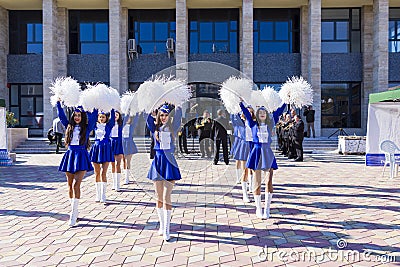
204	125
309	113
298	134
220	136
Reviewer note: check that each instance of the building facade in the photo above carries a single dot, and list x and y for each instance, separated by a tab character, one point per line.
346	51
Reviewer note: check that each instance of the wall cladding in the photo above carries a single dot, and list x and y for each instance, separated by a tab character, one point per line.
276	68
25	68
341	67
143	67
394	67
89	68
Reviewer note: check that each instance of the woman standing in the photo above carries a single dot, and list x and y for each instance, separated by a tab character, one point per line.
261	158
76	162
118	152
164	169
129	146
101	153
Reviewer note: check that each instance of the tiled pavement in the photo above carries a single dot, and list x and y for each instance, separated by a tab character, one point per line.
316	203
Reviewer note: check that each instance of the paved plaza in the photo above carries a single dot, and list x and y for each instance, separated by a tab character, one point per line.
329	210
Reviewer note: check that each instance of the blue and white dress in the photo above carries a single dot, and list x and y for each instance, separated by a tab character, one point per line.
76	158
235	135
261	156
128	144
116	139
101	151
242	148
164	165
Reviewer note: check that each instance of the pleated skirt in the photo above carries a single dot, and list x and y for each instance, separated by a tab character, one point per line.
75	159
164	167
101	151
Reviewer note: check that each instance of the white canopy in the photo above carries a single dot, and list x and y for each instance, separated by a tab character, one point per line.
383	124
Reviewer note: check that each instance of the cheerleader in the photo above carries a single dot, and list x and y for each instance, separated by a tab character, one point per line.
234	145
164	169
129	146
116	143
261	158
76	162
101	153
241	152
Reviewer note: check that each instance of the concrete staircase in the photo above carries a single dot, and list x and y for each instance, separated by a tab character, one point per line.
41	145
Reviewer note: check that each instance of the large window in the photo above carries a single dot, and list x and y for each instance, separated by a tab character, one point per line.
340	30
394	30
26	101
276	31
151	29
26	32
213	31
88	32
341	105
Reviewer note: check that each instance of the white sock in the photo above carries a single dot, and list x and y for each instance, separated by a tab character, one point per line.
251	184
257	199
160	212
118	182
74	211
103	192
167	222
238	176
114	178
98	191
244	191
268	200
126	176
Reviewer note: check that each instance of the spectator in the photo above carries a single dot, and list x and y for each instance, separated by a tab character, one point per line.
309	113
58	130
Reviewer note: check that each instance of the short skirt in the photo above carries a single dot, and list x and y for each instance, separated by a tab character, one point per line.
101	151
164	167
129	146
117	147
261	157
242	150
234	144
75	159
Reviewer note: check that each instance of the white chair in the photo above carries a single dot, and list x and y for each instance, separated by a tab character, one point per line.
389	148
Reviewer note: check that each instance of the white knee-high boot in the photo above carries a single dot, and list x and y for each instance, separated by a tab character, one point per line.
167	222
160	212
126	176
103	192
251	183
238	176
98	191
118	182
268	200
244	191
257	199
114	178
74	211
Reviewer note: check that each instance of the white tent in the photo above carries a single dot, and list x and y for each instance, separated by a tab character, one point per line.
383	124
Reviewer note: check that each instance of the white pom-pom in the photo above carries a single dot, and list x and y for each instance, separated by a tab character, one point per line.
272	99
114	99
257	99
134	105
150	93
126	100
296	91
176	92
67	90
232	90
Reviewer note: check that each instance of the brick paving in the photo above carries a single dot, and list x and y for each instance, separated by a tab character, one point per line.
316	203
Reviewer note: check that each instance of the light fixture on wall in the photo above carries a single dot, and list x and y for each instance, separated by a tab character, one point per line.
330	100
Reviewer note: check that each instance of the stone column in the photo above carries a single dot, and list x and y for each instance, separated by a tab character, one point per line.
314	58
124	50
182	40
304	45
50	60
62	41
381	39
246	38
3	54
118	57
367	24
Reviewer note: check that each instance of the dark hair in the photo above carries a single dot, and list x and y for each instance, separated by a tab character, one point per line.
70	129
158	120
105	114
119	121
267	120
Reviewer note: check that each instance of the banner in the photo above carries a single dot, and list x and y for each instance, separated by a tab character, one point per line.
383	124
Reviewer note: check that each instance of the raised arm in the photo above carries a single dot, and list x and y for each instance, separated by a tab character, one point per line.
176	124
135	121
150	122
278	113
247	114
92	119
236	120
111	121
61	115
